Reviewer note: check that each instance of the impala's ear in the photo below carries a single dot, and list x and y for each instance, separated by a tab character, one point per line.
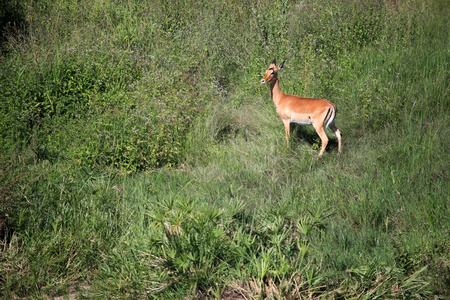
276	69
273	64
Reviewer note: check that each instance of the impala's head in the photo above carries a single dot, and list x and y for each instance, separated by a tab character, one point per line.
271	72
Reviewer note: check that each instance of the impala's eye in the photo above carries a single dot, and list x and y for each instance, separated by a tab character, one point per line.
271	73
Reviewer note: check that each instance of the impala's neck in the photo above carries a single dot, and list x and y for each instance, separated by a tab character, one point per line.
275	91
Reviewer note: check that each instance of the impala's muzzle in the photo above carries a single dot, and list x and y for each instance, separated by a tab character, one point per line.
263	81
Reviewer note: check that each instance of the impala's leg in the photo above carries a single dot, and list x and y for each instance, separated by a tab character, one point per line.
323	137
287	129
338	135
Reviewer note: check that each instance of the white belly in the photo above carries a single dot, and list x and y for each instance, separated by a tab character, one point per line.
301	123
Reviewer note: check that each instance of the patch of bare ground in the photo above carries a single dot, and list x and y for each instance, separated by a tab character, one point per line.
233	294
72	293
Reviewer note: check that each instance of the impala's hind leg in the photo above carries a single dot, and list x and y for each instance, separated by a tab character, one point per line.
323	137
338	135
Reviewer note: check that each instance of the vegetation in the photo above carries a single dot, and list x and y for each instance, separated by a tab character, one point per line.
141	158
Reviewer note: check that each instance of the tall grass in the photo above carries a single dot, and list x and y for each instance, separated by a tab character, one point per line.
140	157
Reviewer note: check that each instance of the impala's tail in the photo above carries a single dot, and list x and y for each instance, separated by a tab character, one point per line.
330	117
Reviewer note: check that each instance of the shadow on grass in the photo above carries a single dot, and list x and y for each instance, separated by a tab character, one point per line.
12	21
309	135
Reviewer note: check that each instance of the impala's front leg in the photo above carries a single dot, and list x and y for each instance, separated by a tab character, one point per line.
287	129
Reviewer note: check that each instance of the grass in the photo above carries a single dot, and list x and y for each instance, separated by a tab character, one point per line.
140	157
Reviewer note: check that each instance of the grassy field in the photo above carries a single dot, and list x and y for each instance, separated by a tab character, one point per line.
140	157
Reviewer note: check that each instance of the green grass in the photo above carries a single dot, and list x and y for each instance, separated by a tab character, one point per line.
141	158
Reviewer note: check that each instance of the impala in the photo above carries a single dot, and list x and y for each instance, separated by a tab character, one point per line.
320	113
